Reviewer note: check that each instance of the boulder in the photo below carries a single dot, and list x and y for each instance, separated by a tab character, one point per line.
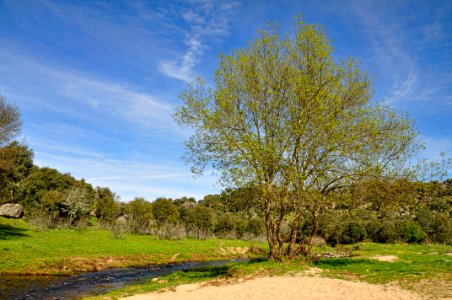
121	220
11	210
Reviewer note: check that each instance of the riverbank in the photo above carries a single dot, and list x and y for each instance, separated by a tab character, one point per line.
69	251
423	269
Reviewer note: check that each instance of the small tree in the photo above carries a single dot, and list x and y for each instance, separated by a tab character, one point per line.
139	213
202	220
286	118
107	207
10	122
16	162
78	202
164	212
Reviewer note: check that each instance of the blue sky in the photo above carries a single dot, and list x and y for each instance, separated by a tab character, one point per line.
98	81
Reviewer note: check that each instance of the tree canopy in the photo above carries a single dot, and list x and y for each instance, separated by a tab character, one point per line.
287	118
10	122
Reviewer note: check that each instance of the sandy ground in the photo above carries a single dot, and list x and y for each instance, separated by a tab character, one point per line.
284	287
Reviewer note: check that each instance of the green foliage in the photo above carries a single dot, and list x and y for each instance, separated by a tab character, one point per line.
287	119
413	233
226	225
347	233
240	227
164	212
255	226
10	122
16	161
440	230
107	208
139	215
216	202
201	219
382	231
353	233
41	180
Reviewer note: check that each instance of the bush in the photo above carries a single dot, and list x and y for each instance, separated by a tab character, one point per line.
382	231
347	233
225	226
413	233
139	216
165	212
241	226
201	219
441	229
255	226
353	233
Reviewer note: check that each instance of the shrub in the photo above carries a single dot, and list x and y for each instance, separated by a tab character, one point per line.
413	233
441	229
347	233
139	216
165	212
255	226
382	231
241	226
201	219
225	226
353	232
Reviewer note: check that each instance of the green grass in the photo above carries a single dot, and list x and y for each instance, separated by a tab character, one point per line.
425	268
67	251
414	261
22	251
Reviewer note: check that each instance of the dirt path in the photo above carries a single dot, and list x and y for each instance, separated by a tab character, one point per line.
284	287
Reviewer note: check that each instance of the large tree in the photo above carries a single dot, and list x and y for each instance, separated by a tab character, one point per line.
288	119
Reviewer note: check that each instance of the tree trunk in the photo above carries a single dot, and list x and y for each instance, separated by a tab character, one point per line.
271	238
290	252
315	227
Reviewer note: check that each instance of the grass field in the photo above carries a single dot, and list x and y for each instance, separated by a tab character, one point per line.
425	268
68	251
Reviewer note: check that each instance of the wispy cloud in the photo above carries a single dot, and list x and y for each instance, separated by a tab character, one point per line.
399	50
118	99
207	21
389	51
132	178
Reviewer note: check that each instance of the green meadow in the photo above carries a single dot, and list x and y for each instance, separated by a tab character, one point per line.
426	269
68	251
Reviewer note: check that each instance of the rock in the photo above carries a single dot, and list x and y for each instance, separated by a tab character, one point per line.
122	220
11	210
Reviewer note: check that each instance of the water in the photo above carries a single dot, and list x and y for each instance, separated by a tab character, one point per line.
89	284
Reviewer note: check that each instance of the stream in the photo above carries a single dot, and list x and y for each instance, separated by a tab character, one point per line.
90	284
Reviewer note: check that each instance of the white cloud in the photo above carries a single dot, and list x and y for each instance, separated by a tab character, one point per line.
390	53
115	98
132	178
400	59
207	21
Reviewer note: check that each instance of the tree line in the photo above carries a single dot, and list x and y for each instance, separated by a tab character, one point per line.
381	211
386	212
